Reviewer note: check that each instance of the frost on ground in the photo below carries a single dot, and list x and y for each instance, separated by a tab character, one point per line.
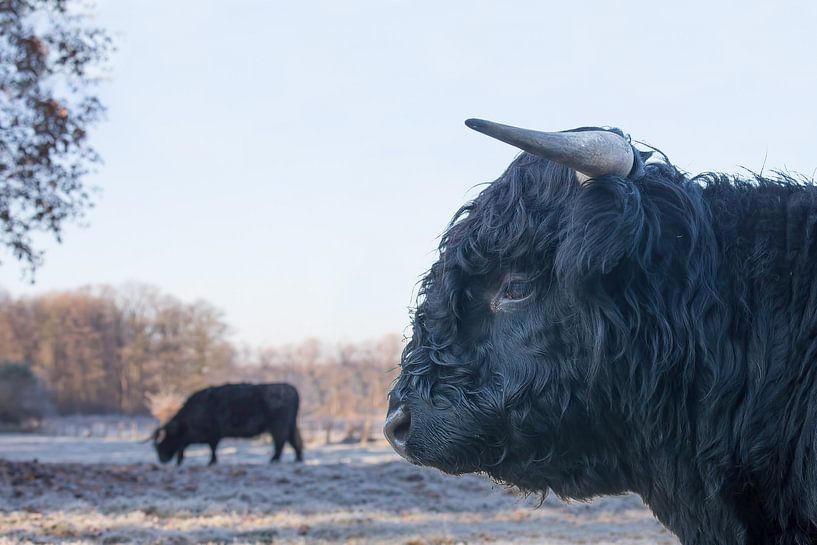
84	491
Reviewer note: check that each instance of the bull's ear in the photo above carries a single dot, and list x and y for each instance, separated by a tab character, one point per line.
604	226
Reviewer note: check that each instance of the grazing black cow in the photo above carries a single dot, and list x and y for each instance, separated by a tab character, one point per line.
599	323
232	410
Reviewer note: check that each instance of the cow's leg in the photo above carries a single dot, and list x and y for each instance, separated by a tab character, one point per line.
278	441
213	447
179	457
296	442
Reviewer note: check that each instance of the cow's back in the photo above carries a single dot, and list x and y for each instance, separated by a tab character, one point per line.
280	397
246	410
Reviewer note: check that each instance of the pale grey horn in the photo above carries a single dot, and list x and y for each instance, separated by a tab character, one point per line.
589	153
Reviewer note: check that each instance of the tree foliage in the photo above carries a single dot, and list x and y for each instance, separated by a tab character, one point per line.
105	350
50	59
135	349
22	400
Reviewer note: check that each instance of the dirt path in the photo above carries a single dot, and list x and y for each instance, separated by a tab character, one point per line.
363	498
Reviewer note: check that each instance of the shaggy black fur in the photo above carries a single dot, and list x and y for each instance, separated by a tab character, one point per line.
658	334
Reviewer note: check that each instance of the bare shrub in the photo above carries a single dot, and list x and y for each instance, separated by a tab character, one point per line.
164	404
23	400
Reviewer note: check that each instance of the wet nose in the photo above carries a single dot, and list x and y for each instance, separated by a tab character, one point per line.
396	430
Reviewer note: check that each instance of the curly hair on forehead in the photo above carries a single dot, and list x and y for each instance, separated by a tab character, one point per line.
511	220
536	217
504	219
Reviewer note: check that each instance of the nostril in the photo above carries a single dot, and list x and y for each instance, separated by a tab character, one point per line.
402	429
396	430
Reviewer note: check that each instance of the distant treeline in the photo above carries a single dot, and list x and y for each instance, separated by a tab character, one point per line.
102	349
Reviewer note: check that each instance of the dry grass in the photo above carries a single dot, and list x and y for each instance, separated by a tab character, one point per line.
340	495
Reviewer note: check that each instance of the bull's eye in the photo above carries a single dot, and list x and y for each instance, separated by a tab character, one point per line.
515	288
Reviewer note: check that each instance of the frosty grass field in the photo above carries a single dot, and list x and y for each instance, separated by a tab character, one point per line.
84	490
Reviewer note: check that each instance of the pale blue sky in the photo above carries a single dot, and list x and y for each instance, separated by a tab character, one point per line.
294	162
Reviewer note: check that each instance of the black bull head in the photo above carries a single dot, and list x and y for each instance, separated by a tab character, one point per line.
495	378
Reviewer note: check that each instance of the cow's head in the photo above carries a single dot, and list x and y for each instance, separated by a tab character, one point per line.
168	439
509	368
